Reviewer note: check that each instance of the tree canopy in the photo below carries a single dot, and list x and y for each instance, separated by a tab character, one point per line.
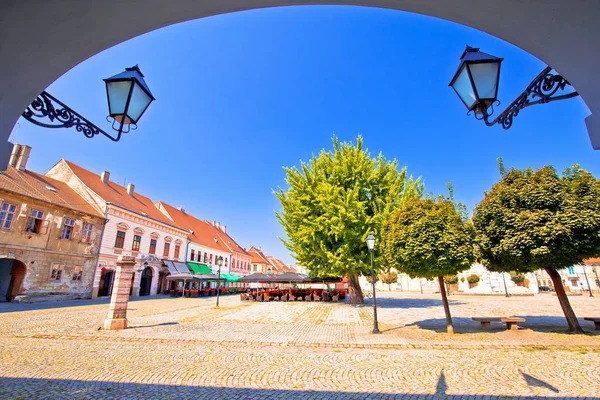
538	220
429	238
334	201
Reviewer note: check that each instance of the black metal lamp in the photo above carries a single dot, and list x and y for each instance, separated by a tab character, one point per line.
476	79
476	84
128	98
371	247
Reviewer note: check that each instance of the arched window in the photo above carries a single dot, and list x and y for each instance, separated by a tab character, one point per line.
193	255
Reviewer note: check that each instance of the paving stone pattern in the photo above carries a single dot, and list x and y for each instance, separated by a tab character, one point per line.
185	348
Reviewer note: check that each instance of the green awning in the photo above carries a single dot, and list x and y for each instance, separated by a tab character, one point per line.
231	278
198	268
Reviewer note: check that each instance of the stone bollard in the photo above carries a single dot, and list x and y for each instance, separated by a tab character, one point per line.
117	313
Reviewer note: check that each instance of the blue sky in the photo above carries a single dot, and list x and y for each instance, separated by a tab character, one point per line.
241	95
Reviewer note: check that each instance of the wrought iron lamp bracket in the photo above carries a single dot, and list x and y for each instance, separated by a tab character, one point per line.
541	90
62	116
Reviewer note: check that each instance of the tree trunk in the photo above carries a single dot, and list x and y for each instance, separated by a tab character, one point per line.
574	326
389	287
354	290
449	325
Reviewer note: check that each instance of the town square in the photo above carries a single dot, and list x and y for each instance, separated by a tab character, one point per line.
258	199
179	347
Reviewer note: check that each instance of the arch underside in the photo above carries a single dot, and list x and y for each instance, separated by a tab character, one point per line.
44	41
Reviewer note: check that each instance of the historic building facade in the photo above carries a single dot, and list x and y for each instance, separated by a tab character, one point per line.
49	236
207	242
135	228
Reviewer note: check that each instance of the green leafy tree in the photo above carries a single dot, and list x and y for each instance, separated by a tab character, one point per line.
388	278
451	279
473	279
534	220
427	239
333	202
517	277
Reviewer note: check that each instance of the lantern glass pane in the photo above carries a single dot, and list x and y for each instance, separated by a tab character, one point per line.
117	96
139	101
462	86
485	77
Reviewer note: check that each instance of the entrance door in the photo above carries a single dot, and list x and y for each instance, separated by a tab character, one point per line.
12	273
146	281
106	281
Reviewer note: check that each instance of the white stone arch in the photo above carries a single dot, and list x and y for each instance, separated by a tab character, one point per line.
563	34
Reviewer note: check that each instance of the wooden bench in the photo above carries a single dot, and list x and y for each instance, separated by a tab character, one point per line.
511	322
596	322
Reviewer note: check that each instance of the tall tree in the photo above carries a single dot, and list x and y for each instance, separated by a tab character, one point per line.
429	238
333	202
534	220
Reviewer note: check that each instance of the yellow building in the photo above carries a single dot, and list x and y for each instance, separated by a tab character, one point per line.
49	236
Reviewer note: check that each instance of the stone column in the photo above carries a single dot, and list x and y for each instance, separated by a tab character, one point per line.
117	312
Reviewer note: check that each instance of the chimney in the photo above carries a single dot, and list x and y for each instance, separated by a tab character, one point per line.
14	156
218	225
105	176
214	223
224	228
181	209
23	157
130	189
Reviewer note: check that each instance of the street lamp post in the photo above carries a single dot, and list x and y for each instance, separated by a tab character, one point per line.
219	264
371	247
476	84
128	98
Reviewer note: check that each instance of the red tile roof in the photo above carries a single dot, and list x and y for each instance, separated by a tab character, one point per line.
202	232
280	265
258	256
34	185
117	194
229	242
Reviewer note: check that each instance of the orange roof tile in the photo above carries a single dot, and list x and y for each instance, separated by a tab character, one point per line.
202	232
34	185
258	256
116	194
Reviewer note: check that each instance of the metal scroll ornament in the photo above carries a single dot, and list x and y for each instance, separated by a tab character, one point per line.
48	108
541	90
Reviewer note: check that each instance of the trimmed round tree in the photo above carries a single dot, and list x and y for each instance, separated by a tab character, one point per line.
388	278
333	202
429	238
534	220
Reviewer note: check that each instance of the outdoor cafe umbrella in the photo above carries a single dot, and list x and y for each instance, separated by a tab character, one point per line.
256	277
185	278
289	277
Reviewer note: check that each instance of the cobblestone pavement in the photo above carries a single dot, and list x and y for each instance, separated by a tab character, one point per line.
186	348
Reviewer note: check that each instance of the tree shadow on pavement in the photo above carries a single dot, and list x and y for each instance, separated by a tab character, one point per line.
6	307
406	303
32	388
547	324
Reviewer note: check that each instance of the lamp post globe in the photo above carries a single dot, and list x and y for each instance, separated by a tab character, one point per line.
476	80
371	247
128	98
371	242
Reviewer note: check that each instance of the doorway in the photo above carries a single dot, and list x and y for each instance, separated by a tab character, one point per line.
12	273
146	281
106	282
